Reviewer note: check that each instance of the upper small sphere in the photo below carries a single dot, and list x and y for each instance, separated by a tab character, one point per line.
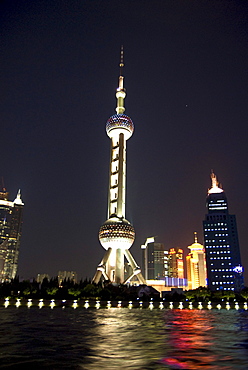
119	123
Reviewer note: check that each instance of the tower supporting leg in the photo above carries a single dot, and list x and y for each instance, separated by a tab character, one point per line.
136	269
119	266
101	268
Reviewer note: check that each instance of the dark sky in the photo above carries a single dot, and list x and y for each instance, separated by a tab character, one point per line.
186	77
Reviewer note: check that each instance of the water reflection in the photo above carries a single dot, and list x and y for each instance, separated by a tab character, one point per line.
203	339
124	338
173	339
127	339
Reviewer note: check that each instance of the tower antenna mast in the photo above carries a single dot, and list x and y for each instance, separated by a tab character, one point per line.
3	187
120	91
121	60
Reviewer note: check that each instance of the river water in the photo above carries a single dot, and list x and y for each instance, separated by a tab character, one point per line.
136	339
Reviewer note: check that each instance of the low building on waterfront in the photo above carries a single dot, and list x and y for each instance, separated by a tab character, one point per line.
168	284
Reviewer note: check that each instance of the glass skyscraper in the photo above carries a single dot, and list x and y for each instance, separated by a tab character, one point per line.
10	234
154	260
224	269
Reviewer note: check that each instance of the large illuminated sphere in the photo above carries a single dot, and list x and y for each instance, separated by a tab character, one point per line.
119	123
116	233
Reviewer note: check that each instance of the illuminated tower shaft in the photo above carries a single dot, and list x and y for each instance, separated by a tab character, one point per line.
117	234
117	177
116	202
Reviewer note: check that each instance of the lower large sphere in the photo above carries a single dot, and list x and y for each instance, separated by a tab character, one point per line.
116	233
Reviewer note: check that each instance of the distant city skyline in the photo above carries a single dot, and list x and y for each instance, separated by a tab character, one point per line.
186	77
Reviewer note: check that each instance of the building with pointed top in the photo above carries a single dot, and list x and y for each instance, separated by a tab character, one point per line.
117	234
10	234
224	269
196	265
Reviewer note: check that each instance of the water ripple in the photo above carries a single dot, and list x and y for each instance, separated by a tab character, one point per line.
123	339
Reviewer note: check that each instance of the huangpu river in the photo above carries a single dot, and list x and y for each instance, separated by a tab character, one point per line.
122	338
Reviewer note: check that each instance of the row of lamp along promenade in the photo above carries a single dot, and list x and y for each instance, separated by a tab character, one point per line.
138	304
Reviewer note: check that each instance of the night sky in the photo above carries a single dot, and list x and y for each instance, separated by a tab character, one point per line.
186	78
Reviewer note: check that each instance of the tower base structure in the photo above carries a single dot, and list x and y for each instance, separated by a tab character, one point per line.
103	267
116	236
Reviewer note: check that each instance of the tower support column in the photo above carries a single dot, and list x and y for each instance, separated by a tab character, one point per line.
119	272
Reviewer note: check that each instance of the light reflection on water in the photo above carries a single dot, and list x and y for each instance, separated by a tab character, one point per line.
123	339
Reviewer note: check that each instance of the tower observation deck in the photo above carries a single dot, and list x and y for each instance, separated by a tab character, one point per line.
117	234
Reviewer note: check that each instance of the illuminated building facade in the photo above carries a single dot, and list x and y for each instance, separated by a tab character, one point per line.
155	260
10	234
175	263
117	234
224	269
196	265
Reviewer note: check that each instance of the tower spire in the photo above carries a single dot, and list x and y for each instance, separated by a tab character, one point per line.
195	235
3	186
215	184
18	199
214	179
120	91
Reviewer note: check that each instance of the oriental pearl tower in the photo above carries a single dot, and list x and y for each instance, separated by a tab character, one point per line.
117	234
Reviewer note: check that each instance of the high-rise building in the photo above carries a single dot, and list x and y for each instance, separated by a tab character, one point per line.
67	275
10	234
155	260
175	263
41	277
175	276
196	265
224	269
117	234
